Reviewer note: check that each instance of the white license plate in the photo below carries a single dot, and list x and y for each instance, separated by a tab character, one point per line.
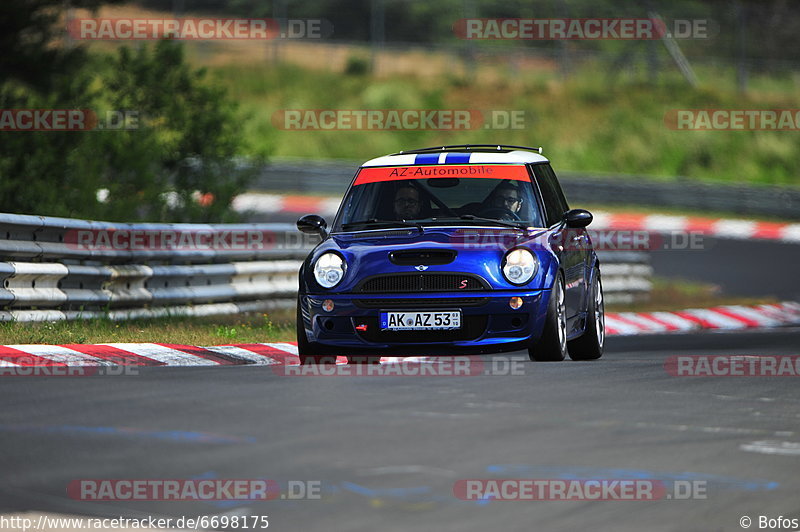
421	321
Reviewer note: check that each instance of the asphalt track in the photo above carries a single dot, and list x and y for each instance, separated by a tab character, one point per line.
388	450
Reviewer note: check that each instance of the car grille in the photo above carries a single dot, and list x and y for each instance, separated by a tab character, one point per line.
422	256
422	282
439	302
472	327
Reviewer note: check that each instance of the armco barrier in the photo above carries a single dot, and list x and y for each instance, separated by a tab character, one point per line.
46	276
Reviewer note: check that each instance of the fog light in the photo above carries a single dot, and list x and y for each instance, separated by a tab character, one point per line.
515	302
327	305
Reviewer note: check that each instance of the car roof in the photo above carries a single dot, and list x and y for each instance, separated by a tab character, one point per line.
458	157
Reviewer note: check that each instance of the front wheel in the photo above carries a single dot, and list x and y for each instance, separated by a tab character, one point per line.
589	346
552	346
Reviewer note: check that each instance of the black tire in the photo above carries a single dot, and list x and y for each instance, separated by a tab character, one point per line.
304	351
589	345
552	346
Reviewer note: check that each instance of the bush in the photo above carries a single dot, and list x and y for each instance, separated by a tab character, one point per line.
357	66
175	163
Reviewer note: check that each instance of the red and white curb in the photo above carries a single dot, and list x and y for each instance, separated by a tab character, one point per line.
260	202
716	227
285	353
603	221
728	317
157	354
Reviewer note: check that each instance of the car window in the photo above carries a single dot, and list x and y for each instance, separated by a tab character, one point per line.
507	195
555	202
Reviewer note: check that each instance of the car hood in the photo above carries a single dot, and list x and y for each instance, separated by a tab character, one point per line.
477	250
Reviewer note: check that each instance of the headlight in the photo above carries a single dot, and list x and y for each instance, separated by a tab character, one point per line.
519	266
329	270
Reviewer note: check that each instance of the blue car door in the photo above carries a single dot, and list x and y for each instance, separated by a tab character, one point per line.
571	242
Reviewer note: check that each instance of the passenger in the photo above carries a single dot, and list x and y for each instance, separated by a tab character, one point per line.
506	196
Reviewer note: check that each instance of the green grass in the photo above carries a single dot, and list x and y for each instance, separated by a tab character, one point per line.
585	124
600	119
248	328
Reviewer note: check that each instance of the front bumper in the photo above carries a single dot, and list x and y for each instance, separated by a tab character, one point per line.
489	324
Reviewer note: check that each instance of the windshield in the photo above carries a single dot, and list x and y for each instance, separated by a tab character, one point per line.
440	194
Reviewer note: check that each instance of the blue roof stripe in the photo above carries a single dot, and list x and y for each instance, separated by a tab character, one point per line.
427	158
457	158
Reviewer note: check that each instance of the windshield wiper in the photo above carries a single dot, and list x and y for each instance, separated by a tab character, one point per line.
375	221
515	225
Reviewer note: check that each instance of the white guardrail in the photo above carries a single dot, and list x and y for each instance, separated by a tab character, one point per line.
61	269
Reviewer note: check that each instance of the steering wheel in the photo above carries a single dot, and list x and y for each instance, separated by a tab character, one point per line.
499	213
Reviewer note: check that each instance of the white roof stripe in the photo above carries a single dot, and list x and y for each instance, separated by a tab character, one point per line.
392	160
517	156
476	157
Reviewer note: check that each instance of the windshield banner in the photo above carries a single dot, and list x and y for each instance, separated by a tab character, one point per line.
516	172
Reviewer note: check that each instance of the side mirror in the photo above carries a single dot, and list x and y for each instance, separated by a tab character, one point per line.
576	218
313	224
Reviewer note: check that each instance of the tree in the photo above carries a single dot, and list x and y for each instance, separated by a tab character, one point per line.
183	144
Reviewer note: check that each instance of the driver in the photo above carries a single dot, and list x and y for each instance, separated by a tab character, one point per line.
506	196
406	203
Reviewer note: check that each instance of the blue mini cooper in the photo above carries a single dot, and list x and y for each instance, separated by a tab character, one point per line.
452	250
